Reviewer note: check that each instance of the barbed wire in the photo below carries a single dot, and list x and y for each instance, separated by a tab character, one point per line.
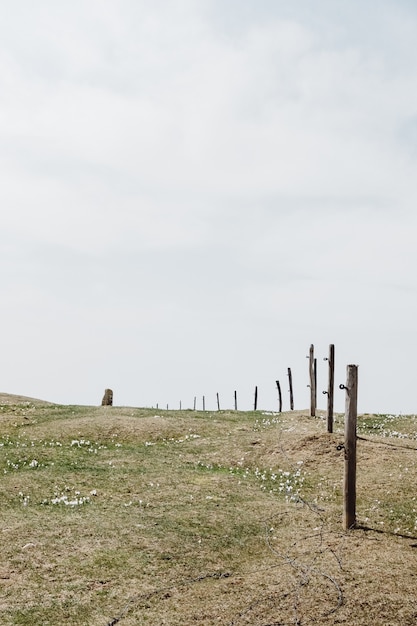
386	443
163	590
305	573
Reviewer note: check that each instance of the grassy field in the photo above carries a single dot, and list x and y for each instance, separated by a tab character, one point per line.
135	516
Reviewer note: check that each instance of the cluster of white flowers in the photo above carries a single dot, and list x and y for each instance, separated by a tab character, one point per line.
69	497
92	447
382	425
397	435
7	441
275	481
21	464
18	443
210	466
11	465
182	439
398	520
279	481
75	501
269	419
24	499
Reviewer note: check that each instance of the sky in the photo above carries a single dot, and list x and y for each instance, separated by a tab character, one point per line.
194	191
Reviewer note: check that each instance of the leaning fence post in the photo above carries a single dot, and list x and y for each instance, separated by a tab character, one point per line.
351	411
255	404
218	402
279	395
291	392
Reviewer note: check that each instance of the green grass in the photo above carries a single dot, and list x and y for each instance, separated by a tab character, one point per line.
169	517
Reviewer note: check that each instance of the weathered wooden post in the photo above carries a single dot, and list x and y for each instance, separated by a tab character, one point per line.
218	402
255	404
291	391
351	410
195	402
312	383
235	400
204	403
107	398
330	389
279	396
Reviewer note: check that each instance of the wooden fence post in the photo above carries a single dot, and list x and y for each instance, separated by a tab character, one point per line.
330	389
279	396
351	410
195	402
218	402
235	400
204	403
291	391
312	383
255	404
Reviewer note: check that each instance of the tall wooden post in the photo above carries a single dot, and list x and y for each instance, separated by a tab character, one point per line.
330	389
279	397
218	402
235	400
349	513
195	402
312	383
204	403
255	404
291	392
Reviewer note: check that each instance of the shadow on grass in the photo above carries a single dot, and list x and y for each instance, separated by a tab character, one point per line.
386	532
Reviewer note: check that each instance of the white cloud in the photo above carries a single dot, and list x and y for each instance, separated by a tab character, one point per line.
236	177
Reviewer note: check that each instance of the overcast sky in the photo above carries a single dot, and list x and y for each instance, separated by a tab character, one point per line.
194	191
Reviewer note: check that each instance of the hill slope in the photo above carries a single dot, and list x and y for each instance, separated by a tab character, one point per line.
124	515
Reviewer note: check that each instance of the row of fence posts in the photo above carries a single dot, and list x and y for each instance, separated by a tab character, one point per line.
313	389
312	385
255	402
351	415
349	446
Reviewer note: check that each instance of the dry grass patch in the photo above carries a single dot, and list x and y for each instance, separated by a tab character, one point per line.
119	515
